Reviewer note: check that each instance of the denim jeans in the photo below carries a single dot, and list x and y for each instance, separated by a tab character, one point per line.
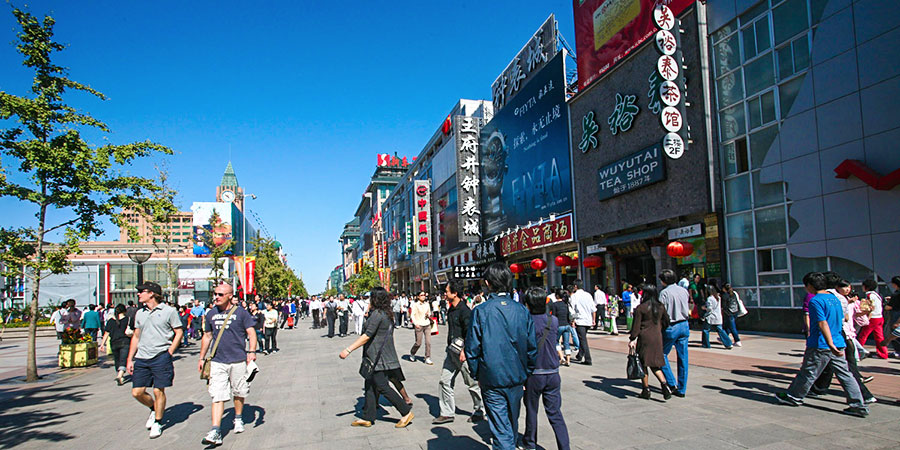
726	341
677	335
815	360
731	327
503	406
565	332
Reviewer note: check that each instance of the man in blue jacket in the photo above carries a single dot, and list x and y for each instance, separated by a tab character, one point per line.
501	352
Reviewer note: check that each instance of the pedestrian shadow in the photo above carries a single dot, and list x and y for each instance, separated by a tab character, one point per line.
180	413
794	354
747	390
876	369
781	374
445	440
254	414
612	386
17	428
434	405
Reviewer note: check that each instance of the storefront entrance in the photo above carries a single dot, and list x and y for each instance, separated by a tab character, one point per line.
639	269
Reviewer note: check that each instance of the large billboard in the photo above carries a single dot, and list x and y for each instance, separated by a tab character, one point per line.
213	226
530	59
524	155
606	31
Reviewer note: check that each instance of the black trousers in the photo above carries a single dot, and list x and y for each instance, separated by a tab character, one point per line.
271	342
344	322
329	316
315	315
584	352
377	386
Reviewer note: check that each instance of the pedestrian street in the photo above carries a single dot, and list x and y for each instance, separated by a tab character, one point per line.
305	397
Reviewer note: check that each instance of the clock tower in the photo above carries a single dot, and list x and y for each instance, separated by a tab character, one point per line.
228	190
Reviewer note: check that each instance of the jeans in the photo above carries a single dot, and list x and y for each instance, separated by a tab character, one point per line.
823	382
677	335
731	327
565	332
815	360
895	316
260	340
451	368
726	341
377	386
584	352
503	406
315	315
548	387
120	354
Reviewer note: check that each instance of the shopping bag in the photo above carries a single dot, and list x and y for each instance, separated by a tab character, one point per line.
634	370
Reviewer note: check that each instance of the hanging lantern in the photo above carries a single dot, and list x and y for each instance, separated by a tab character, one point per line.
687	250
563	261
674	249
538	264
593	262
516	269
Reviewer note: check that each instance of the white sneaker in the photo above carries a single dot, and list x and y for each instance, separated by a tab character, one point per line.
429	361
155	430
738	344
238	426
212	438
151	420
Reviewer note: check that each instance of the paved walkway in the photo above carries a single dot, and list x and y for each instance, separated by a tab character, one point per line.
306	398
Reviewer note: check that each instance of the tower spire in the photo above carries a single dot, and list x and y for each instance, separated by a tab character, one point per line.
229	178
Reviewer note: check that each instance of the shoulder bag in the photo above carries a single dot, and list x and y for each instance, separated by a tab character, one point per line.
742	310
207	362
367	367
634	370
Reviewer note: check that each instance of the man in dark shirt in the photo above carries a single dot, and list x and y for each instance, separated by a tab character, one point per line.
458	318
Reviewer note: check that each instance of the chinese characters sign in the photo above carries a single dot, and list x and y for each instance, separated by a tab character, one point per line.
669	90
468	184
632	172
537	236
422	218
540	49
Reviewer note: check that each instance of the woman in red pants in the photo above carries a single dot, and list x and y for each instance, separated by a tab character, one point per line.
876	319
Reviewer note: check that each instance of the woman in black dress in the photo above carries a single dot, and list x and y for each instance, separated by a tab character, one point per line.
118	341
650	319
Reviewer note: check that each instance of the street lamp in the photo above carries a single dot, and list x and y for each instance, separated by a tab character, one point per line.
244	249
139	257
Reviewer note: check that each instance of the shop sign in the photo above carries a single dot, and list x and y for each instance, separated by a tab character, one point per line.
543	234
631	249
486	252
683	232
670	91
468	188
594	248
623	116
467	272
540	49
632	172
589	129
422	222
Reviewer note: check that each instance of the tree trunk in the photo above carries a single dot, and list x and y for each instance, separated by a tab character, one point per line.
31	373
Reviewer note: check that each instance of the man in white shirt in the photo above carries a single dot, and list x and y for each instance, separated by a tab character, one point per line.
600	300
584	319
359	309
404	311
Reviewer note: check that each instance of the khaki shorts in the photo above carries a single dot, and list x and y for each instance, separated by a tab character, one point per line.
227	381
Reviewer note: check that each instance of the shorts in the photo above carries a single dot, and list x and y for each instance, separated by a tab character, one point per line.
228	380
157	372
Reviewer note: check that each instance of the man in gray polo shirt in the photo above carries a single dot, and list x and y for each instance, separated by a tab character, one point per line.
157	333
676	300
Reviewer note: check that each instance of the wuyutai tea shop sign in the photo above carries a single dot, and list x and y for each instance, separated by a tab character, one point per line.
632	172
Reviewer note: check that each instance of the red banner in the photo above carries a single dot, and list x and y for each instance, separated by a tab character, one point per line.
537	236
251	274
606	31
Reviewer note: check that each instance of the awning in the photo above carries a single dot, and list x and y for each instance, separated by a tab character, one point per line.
631	237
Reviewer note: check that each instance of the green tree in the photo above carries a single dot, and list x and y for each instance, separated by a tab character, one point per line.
161	224
217	252
363	281
272	277
59	170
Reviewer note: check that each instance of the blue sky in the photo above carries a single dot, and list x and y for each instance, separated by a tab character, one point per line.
301	97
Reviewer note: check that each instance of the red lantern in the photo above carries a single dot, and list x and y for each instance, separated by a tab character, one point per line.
563	261
516	269
593	262
538	264
688	249
674	249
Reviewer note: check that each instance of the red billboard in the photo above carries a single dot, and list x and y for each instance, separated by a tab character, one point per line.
540	235
606	31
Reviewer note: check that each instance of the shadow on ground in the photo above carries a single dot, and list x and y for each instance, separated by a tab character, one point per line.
613	386
18	428
444	439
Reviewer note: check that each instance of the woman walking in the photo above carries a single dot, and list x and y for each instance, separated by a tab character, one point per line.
380	355
421	319
271	328
712	317
118	341
650	319
731	307
876	319
561	309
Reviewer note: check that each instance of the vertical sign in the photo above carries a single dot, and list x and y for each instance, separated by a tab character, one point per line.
422	222
540	49
669	81
467	181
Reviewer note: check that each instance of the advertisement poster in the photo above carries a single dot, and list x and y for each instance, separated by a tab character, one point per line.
606	31
525	169
212	226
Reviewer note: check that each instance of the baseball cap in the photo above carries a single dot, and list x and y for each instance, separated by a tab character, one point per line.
150	286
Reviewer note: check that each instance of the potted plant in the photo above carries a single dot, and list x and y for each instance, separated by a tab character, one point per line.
77	349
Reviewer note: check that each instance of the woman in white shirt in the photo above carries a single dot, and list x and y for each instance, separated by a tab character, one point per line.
421	319
270	328
876	319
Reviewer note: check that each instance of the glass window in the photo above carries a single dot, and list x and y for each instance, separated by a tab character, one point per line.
765	194
740	232
730	88
775	279
743	269
817	8
736	157
770	226
851	271
737	193
772	260
775	297
793	58
748	296
748	35
759	74
762	34
723	32
789	18
757	10
731	121
787	93
779	258
760	143
802	266
728	56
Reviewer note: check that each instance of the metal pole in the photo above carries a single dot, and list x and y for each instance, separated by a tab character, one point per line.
140	273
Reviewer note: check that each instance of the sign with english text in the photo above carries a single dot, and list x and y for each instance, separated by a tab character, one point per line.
632	172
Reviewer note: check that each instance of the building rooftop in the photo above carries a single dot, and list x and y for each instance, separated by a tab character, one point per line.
229	178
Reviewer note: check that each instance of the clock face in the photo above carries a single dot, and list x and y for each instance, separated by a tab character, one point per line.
228	196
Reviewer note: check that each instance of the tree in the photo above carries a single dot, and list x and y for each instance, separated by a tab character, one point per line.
219	245
272	277
61	171
161	221
363	281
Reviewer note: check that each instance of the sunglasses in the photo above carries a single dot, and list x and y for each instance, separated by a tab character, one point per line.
219	294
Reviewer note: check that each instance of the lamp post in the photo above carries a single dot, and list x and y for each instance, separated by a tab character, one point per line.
139	257
244	245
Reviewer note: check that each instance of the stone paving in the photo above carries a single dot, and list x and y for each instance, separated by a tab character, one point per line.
305	397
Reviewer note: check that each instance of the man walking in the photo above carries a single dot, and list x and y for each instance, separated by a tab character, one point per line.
359	308
157	334
584	319
228	326
315	305
501	351
343	312
600	300
459	316
677	302
331	315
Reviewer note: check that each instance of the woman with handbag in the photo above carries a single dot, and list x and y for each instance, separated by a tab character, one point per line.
650	319
731	309
116	328
378	361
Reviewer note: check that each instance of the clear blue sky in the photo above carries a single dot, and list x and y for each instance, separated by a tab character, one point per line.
304	96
